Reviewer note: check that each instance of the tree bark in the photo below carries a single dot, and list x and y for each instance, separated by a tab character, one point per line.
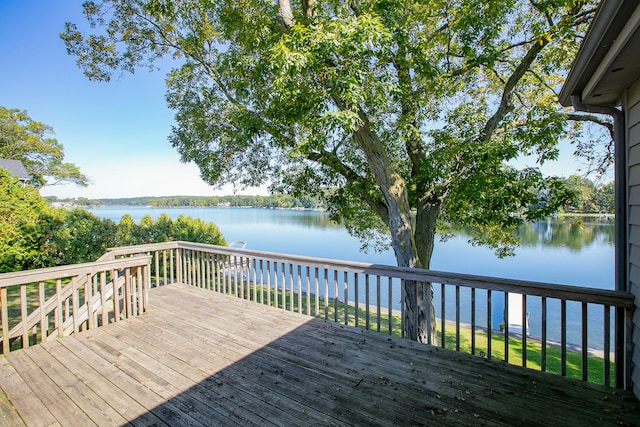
394	190
285	14
425	233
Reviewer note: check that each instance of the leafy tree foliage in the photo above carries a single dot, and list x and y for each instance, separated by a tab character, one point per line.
33	235
83	237
26	225
24	139
401	106
165	229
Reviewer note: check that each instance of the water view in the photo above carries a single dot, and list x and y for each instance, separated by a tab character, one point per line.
567	250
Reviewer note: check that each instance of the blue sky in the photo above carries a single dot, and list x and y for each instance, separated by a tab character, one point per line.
116	132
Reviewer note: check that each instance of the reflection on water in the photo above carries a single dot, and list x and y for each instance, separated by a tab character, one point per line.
573	233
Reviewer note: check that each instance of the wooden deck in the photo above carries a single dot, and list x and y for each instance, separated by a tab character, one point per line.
199	358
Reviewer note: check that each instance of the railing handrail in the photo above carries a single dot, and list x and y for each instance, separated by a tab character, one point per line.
52	273
615	298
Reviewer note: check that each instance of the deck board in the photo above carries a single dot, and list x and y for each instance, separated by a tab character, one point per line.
199	358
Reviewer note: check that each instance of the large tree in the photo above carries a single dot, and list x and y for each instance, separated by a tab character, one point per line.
410	112
24	139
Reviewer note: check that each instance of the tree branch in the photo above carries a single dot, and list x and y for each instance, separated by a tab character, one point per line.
332	161
577	117
509	89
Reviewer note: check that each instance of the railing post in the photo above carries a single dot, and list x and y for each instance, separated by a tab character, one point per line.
619	348
628	346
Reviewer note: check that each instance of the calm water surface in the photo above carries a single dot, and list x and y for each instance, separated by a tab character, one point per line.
573	251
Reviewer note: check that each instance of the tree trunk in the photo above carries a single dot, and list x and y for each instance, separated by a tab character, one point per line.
425	234
394	190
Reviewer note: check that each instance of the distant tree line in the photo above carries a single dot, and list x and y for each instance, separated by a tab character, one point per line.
284	201
584	197
587	197
34	235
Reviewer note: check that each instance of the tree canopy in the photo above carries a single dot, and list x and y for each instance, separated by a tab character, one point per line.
26	225
34	235
402	106
24	139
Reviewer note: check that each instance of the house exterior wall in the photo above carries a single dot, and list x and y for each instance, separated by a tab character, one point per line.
632	119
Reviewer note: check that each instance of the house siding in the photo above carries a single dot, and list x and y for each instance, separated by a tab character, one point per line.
632	111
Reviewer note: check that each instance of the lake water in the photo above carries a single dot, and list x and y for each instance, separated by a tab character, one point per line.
565	250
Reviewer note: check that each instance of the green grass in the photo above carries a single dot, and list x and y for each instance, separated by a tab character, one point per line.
595	365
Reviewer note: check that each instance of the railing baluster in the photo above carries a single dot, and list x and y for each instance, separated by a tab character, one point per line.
59	321
457	318
103	297
164	268
300	307
88	288
74	306
5	321
585	350
489	325
44	320
140	280
276	289
346	298
178	266
128	293
356	298
116	296
156	258
524	330
284	286
378	304
173	265
366	286
626	355
261	280
326	294
254	276
473	321
506	327
317	297
402	308
543	340
335	296
291	289
269	283
607	345
317	291
390	308
443	316
563	337
23	314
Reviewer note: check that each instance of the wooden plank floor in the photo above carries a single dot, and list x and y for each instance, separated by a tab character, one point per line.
198	358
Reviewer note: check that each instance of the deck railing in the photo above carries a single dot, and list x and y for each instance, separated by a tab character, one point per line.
44	304
568	330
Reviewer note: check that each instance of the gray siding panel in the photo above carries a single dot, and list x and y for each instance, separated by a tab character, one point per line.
634	215
634	133
634	155
634	235
634	196
634	175
632	112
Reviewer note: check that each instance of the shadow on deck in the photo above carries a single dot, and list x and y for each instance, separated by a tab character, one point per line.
200	358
